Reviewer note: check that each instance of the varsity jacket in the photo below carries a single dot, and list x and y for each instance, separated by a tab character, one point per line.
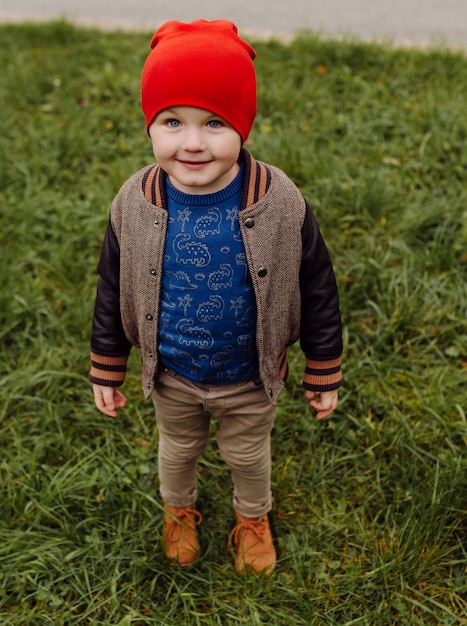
293	280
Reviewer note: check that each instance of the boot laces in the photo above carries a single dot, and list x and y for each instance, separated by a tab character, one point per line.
184	518
255	526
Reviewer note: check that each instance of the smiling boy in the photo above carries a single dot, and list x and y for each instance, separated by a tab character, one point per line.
213	264
198	150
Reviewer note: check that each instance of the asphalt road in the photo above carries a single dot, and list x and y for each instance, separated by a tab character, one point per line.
419	22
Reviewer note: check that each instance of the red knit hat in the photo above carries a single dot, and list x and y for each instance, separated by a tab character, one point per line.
201	64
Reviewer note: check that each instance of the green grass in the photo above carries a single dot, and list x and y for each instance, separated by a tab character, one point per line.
370	505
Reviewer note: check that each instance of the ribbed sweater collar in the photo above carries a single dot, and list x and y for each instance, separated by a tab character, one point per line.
209	199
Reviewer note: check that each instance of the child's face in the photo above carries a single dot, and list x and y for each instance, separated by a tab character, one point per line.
197	149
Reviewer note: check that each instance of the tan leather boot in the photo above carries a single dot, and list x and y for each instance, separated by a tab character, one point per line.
253	544
180	537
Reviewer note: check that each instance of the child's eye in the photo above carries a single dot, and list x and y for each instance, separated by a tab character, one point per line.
214	124
173	123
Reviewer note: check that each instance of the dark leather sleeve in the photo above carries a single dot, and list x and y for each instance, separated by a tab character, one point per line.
108	337
321	328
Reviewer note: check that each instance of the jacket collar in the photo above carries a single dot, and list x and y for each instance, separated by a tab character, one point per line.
256	181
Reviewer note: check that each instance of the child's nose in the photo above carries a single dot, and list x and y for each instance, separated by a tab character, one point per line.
194	140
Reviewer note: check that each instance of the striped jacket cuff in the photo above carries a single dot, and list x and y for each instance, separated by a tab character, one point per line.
323	375
108	371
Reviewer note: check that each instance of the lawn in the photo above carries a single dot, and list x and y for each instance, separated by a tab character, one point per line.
371	504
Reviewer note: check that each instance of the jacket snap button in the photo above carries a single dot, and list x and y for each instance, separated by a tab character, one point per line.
153	272
249	222
149	317
262	272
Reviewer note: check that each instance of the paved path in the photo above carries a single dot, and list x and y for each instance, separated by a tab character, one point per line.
404	21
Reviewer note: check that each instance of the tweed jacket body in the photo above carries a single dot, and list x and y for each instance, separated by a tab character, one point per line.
293	280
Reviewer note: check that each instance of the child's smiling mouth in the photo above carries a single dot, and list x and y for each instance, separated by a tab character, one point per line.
193	164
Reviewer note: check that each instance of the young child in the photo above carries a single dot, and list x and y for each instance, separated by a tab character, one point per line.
212	265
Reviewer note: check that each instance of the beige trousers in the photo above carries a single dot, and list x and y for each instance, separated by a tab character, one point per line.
245	418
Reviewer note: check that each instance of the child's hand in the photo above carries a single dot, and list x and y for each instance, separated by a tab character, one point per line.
108	399
325	402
